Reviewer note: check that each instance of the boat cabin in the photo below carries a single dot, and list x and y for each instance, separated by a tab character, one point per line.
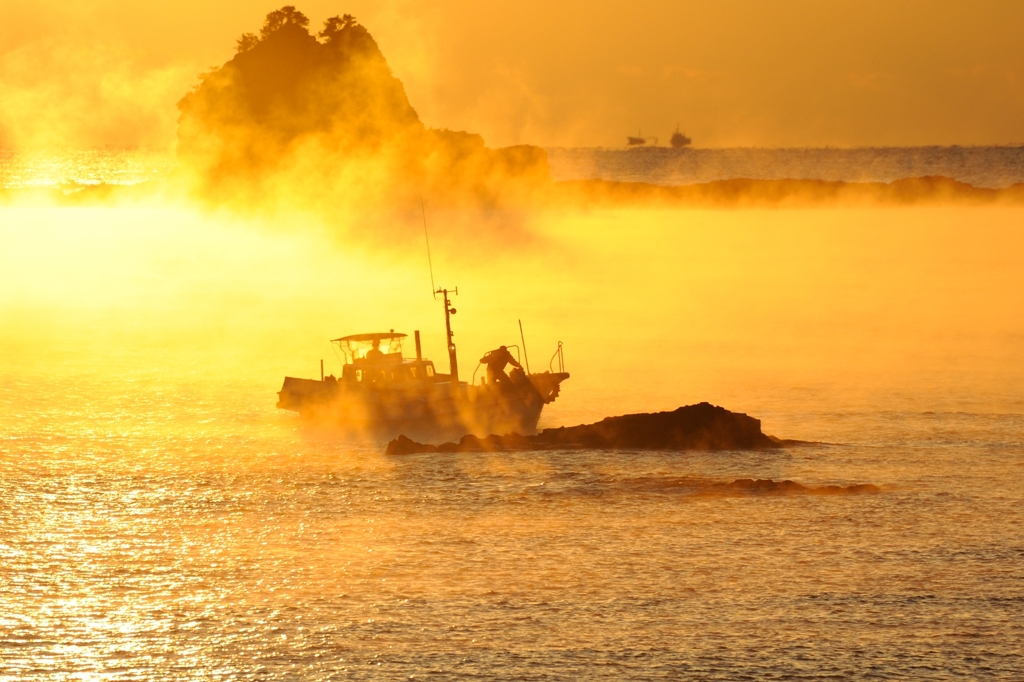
376	359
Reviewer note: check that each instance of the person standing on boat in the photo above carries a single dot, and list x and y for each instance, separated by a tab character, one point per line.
496	361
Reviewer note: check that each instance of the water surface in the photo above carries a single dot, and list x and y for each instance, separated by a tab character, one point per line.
161	520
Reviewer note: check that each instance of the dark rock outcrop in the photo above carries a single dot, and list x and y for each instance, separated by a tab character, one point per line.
694	427
766	486
753	192
318	122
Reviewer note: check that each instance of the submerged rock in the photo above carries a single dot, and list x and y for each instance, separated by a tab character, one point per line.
694	427
766	486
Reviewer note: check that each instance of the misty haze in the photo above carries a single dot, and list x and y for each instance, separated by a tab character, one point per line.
397	340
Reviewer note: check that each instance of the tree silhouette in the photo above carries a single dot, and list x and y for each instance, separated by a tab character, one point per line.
335	25
280	18
247	41
291	105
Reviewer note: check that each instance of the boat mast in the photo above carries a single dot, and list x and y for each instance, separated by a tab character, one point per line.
448	312
453	362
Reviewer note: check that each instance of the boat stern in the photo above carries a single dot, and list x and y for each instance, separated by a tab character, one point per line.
302	395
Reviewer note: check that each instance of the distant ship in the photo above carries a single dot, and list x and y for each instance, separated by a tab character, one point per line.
679	140
640	140
382	392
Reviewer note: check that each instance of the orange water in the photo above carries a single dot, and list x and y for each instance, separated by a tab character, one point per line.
160	519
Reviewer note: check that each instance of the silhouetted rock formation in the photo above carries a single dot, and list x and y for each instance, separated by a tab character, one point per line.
766	486
694	427
602	193
745	192
320	121
305	117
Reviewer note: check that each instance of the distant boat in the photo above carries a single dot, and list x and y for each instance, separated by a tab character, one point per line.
679	140
640	140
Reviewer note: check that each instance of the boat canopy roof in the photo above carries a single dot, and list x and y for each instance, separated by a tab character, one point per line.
371	337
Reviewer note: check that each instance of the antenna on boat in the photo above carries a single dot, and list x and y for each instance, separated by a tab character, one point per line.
423	212
522	338
453	361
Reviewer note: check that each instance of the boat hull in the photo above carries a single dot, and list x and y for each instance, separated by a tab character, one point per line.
436	409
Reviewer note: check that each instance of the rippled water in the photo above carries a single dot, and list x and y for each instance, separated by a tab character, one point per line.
166	532
159	519
979	166
40	168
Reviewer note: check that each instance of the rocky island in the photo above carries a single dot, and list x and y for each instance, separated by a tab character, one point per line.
694	427
321	120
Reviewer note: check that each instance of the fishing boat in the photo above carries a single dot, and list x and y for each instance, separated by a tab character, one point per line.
680	140
640	140
381	391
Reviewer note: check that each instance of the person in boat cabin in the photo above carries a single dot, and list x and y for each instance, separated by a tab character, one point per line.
496	361
375	354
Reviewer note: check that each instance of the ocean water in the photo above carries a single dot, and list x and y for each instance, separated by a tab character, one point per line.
979	166
992	167
68	167
230	545
160	519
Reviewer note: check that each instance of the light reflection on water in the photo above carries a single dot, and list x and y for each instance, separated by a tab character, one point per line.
65	167
161	520
224	540
978	166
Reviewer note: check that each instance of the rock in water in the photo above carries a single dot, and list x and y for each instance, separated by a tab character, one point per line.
766	486
695	427
323	121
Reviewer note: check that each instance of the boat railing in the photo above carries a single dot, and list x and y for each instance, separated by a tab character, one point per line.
561	360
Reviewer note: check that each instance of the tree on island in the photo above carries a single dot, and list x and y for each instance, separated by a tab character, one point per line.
328	116
280	18
246	42
275	21
335	26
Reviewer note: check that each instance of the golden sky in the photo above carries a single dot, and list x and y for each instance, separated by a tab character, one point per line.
555	73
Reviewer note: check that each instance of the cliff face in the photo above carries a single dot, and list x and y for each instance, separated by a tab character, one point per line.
291	111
